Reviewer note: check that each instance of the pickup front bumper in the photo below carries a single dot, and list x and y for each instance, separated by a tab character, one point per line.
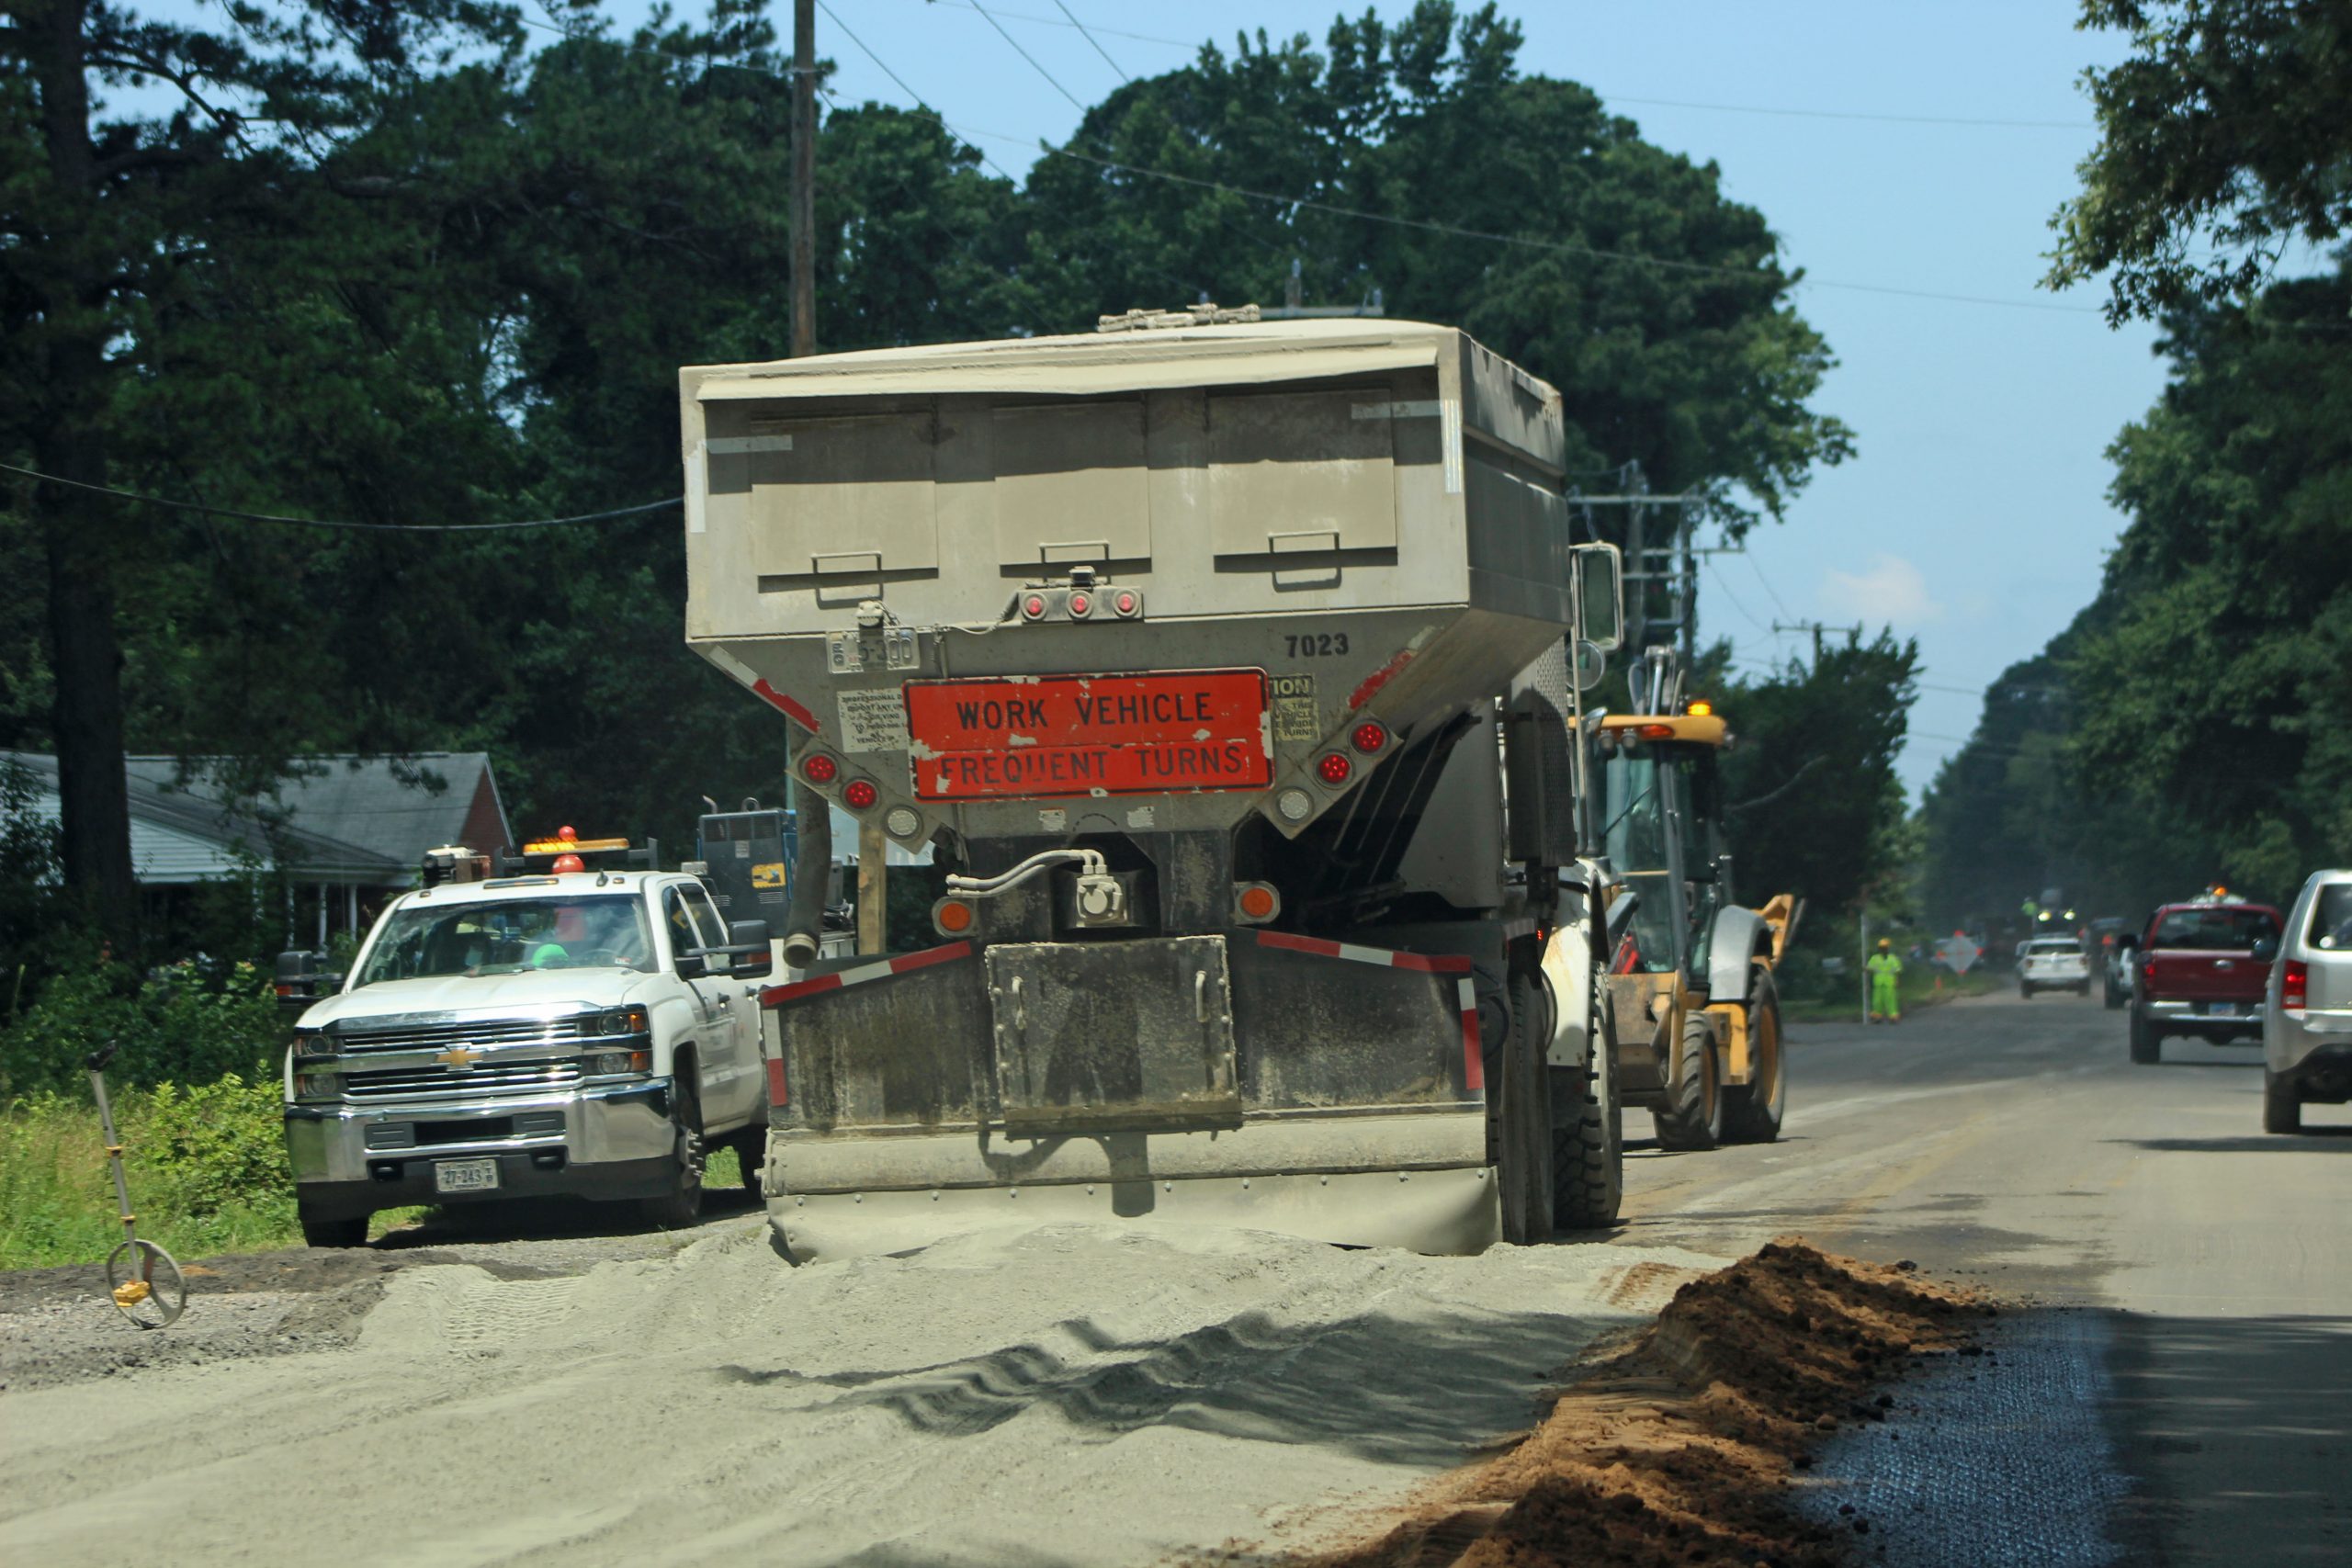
604	1142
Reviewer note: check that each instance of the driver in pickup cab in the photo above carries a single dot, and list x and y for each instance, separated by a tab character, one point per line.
605	932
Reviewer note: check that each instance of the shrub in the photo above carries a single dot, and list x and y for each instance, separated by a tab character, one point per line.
186	1023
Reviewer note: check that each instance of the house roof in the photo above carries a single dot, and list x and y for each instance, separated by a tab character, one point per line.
359	820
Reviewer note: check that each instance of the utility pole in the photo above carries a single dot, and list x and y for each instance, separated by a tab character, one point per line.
804	178
1816	629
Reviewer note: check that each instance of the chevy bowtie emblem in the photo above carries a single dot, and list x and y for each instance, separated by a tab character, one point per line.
460	1058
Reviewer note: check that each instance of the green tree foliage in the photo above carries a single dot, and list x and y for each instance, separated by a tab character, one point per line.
1615	270
2225	137
1811	797
2196	733
381	262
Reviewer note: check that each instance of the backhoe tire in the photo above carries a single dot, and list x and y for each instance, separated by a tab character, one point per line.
344	1229
1752	1110
1693	1116
2147	1045
682	1206
1519	1074
2282	1108
1588	1146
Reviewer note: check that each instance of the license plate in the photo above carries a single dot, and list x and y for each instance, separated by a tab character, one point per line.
465	1176
2221	1010
1077	735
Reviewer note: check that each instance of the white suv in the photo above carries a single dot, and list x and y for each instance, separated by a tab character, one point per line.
584	1033
2307	1011
2054	964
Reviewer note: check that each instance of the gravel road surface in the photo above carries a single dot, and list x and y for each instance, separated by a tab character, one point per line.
1087	1395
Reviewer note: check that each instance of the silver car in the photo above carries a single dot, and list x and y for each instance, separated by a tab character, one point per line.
2307	1013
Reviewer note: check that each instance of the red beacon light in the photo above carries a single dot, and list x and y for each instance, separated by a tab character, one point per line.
567	862
859	793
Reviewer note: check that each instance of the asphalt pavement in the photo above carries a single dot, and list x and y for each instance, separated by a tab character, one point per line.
2013	1145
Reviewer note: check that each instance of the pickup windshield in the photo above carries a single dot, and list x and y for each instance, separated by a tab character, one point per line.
2221	931
605	932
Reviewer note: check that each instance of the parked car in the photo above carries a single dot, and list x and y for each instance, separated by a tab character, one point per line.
2053	963
2201	972
2307	1009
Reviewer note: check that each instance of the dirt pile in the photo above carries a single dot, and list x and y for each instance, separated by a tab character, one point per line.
1681	1445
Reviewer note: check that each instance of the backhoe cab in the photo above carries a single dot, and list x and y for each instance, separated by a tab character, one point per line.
1690	987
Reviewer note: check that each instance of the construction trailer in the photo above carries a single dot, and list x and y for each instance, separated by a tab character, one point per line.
1232	670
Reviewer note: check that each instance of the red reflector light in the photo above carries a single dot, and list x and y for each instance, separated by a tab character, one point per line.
1655	732
1126	602
1335	769
284	990
1257	901
859	793
819	768
1369	738
1034	607
2294	985
952	916
1081	606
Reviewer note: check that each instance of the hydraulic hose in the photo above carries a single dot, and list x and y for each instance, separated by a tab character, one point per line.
812	875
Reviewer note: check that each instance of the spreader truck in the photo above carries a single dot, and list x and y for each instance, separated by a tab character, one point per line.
1229	671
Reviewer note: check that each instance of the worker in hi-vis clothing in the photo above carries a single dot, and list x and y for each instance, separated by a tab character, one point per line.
1886	969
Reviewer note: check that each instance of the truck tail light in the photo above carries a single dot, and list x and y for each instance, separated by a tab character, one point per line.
2294	985
1127	603
1334	769
1368	738
1033	608
1080	606
2148	971
818	768
859	793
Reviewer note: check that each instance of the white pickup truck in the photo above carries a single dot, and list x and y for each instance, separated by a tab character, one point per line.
591	1032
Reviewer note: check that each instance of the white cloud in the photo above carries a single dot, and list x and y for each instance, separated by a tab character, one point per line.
1891	591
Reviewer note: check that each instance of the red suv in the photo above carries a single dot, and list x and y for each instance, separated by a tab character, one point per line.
2201	971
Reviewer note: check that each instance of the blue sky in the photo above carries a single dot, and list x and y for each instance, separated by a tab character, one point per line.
1975	516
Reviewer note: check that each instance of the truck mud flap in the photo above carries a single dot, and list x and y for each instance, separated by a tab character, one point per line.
1112	1035
895	1043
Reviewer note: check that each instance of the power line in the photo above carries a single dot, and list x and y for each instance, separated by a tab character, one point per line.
1092	39
1024	54
1420	225
1717	578
1776	111
233	516
882	66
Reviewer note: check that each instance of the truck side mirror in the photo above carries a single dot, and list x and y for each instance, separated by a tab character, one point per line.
1599	597
750	943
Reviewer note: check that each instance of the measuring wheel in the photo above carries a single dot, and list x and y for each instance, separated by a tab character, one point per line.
145	1283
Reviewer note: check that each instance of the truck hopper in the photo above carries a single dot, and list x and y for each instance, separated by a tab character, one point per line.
1203	657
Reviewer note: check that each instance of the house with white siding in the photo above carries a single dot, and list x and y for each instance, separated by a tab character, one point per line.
345	832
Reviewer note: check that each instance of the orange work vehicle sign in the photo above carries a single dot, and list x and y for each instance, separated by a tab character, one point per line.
1061	735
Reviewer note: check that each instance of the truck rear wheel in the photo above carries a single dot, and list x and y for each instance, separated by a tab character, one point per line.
343	1230
2147	1045
682	1206
1752	1110
1588	1146
2282	1108
1525	1158
1693	1116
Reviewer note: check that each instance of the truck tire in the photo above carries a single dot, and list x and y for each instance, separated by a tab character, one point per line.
2147	1045
2025	992
682	1206
1693	1116
2114	996
1752	1110
343	1230
1522	1073
2282	1108
1588	1146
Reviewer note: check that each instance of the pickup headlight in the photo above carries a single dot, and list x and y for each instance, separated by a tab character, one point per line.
318	1084
612	1064
313	1042
622	1020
